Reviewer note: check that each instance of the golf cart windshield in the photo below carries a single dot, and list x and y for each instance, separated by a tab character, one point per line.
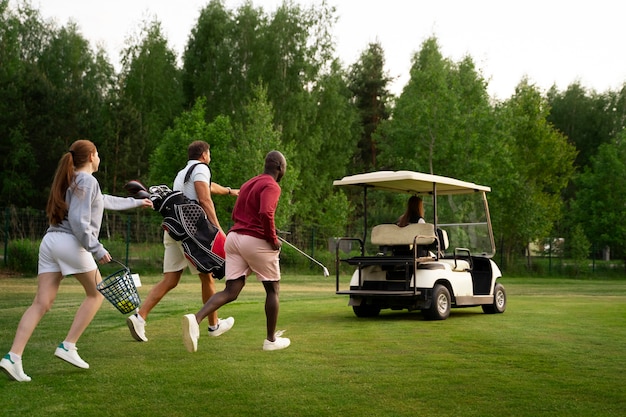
459	208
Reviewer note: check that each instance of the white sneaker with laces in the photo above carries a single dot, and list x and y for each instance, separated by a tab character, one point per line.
13	369
70	356
191	332
278	343
222	326
137	328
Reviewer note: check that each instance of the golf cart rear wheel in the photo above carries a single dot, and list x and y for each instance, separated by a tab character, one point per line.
499	301
366	310
441	304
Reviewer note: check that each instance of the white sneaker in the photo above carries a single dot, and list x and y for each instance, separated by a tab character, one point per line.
191	332
222	326
71	356
137	328
13	369
278	343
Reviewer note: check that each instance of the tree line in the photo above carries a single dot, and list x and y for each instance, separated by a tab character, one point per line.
251	80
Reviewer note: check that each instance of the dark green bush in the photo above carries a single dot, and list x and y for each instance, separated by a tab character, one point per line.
22	256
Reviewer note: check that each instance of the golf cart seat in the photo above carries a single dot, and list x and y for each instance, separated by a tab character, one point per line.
393	235
400	240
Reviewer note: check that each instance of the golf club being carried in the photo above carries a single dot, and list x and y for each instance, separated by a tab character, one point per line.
326	274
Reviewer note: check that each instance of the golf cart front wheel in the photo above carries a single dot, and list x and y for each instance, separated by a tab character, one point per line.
499	301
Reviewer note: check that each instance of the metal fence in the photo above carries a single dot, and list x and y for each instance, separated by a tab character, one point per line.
31	224
144	226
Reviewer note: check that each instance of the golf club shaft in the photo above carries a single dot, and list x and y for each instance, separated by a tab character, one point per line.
303	253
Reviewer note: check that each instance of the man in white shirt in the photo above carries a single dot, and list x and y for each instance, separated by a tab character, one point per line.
199	187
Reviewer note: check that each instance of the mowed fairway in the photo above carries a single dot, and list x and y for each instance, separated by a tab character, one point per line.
558	350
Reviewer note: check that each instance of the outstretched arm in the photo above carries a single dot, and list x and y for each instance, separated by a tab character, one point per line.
219	190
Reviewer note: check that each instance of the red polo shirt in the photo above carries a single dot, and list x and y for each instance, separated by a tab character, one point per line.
254	209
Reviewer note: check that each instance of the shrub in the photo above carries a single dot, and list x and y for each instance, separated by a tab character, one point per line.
22	255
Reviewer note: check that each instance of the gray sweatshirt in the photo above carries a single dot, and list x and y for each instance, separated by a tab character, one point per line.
86	205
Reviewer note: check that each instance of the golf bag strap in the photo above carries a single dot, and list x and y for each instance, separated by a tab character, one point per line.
190	171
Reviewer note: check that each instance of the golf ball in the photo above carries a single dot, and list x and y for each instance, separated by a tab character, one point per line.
125	305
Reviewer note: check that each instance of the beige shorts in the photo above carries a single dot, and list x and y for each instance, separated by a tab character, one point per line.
62	252
246	254
174	256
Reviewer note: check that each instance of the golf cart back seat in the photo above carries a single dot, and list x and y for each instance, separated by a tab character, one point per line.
392	235
401	262
401	238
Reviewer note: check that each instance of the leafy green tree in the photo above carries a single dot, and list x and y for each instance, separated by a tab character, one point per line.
298	48
17	164
332	138
369	86
288	53
254	137
149	98
77	80
308	93
423	114
207	70
599	203
170	156
537	166
54	86
578	248
587	118
237	152
442	122
17	169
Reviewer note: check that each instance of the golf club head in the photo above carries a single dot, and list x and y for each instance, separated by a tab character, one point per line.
136	189
326	274
160	188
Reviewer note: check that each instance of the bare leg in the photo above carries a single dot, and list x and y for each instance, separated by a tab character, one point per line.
228	294
208	289
170	281
47	288
272	288
89	307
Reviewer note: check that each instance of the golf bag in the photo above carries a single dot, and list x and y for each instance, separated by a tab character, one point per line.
186	221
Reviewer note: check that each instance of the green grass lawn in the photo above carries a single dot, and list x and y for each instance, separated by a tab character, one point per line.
558	350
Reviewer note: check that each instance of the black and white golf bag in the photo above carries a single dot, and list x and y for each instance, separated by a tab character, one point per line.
186	221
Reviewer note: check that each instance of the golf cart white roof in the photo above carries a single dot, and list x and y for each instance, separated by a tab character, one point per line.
411	182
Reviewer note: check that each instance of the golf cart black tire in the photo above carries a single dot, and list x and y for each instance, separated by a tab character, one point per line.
440	305
499	301
366	310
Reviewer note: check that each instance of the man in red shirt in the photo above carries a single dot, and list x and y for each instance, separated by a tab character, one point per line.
251	246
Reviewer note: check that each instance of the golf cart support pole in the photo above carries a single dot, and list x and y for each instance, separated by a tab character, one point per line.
364	213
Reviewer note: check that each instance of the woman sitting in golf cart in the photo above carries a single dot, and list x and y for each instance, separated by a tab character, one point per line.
414	212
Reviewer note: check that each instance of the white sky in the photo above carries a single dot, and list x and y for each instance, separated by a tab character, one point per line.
549	41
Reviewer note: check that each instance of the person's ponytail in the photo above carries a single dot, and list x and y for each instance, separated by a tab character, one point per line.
63	177
78	155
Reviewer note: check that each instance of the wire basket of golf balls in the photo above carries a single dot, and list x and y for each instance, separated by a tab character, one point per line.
119	288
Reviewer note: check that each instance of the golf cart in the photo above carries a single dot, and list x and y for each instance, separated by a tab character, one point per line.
447	261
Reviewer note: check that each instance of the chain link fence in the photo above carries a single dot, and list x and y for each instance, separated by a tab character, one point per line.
31	224
137	236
